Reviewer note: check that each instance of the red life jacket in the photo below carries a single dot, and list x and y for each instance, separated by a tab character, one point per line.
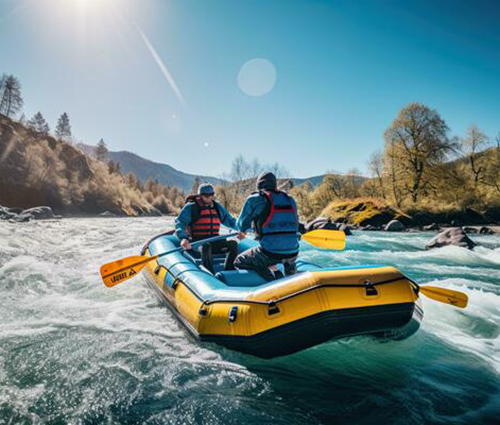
205	219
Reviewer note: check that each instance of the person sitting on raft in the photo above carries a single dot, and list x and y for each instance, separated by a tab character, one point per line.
200	219
274	216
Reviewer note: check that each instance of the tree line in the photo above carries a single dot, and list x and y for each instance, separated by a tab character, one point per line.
421	168
41	163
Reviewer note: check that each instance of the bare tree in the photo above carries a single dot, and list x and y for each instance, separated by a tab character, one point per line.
239	171
391	165
255	168
352	183
418	138
474	146
376	169
196	185
279	171
493	171
11	101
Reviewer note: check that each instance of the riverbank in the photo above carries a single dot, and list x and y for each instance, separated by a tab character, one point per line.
374	214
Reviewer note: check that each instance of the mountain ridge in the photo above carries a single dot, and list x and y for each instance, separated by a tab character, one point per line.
145	169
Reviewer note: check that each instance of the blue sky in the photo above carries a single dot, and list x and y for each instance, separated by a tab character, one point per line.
160	77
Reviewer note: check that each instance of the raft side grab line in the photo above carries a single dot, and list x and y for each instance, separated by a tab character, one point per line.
272	302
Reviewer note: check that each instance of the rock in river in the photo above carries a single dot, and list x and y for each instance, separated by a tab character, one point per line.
453	236
394	226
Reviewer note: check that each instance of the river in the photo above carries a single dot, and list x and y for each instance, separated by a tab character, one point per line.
73	351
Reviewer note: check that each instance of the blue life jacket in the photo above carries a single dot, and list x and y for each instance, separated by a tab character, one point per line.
277	227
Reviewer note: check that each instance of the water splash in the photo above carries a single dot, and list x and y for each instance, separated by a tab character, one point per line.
73	351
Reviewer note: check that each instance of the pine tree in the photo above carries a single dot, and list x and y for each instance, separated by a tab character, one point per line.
39	124
63	128
11	101
101	151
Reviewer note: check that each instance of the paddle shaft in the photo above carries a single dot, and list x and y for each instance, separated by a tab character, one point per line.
193	245
198	243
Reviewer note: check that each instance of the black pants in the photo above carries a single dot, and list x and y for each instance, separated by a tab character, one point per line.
219	247
257	260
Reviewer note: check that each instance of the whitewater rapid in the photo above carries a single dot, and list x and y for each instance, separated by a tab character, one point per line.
74	351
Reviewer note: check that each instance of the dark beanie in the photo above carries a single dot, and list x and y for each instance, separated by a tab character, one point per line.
266	180
206	189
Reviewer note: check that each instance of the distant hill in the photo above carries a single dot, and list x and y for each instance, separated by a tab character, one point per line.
168	175
38	169
317	180
313	181
145	169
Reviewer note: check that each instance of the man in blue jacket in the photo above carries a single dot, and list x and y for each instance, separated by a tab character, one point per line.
200	219
274	216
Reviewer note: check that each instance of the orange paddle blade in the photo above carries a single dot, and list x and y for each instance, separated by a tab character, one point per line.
121	270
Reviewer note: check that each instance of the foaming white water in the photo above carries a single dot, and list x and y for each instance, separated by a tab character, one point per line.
475	329
78	337
74	351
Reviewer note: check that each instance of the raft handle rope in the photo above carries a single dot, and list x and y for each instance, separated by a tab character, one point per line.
233	314
273	308
371	291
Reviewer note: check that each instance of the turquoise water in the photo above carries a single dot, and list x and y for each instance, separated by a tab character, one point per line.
74	351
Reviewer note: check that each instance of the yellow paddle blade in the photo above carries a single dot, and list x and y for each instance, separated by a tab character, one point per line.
447	296
322	238
120	270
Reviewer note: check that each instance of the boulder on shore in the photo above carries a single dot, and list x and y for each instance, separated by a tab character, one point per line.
394	226
470	230
364	211
346	229
452	236
320	223
107	214
15	210
40	213
486	231
22	218
5	213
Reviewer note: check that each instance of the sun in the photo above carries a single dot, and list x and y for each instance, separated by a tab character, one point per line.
87	4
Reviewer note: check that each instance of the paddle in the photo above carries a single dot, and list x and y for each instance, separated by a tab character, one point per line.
121	270
323	238
442	295
335	239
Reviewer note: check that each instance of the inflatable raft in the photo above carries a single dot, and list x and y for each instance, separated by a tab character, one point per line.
243	312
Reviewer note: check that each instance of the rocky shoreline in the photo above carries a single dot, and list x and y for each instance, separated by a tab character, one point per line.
452	234
22	215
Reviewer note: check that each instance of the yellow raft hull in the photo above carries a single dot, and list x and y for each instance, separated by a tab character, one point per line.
289	314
